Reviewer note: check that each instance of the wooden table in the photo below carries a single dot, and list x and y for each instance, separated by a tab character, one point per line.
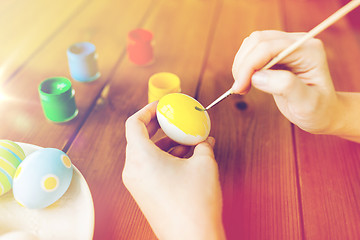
278	182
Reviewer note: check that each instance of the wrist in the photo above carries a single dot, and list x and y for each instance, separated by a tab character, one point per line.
181	227
345	116
335	116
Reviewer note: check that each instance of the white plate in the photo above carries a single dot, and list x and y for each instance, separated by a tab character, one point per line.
71	217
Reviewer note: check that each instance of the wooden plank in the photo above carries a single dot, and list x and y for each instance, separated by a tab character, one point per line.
8	6
254	146
24	120
353	17
329	166
26	26
181	30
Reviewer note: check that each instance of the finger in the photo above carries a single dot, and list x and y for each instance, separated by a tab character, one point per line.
245	49
180	151
153	127
282	83
264	46
172	147
205	148
166	144
253	40
257	58
136	125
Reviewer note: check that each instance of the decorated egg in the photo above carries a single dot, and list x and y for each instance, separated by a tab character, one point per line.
42	178
180	121
11	155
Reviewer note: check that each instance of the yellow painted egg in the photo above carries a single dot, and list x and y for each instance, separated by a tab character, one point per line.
180	121
11	155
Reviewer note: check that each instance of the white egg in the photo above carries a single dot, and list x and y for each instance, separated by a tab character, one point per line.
42	178
180	121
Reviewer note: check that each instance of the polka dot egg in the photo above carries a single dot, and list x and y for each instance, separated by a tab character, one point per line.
42	178
11	155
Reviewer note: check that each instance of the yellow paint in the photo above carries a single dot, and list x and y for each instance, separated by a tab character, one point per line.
161	84
18	171
7	166
9	157
50	183
21	204
179	109
66	161
5	184
55	205
15	148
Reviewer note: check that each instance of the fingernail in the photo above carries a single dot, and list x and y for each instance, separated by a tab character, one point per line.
235	87
259	78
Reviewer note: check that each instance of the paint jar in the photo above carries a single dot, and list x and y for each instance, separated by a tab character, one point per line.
58	99
139	48
82	59
161	84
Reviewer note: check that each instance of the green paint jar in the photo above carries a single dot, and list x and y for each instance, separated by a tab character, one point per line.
58	99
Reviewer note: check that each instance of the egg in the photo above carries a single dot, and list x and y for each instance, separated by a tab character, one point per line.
180	121
11	155
42	178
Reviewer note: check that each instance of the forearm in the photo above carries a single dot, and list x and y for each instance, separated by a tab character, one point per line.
348	116
208	232
181	227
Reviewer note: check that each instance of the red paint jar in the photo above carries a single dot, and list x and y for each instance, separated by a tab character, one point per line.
139	46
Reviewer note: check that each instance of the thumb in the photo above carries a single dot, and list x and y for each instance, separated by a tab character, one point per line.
205	148
279	82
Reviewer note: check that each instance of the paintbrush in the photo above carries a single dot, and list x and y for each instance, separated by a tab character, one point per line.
312	33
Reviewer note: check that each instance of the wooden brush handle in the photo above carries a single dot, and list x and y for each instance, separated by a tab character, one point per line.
313	32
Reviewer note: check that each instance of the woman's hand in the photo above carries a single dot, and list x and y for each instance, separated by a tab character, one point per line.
302	87
180	197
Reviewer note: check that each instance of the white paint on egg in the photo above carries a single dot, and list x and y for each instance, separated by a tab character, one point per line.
176	134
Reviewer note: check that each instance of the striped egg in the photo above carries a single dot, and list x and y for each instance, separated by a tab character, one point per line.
11	155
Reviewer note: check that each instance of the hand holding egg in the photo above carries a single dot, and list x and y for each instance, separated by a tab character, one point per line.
180	121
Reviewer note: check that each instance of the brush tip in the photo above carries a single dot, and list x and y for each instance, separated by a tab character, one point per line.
199	109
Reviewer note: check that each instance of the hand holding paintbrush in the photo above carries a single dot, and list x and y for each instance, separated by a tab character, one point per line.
237	87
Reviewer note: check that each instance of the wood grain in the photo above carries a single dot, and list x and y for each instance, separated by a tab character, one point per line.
27	26
329	166
278	182
254	146
25	120
180	48
354	18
